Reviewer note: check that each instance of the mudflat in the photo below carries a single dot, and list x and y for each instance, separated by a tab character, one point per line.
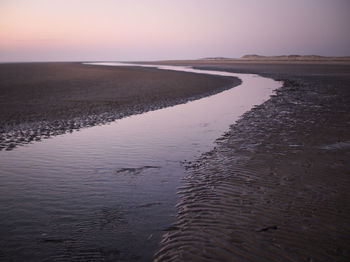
43	99
276	187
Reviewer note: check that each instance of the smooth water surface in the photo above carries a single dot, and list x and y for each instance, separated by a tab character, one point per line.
108	192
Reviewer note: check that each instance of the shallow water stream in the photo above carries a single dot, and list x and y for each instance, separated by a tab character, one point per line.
108	192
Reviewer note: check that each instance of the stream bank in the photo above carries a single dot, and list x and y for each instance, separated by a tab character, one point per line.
276	186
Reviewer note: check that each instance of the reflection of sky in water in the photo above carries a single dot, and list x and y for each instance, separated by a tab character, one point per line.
76	175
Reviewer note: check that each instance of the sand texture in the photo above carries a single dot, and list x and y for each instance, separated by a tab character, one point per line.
276	187
39	100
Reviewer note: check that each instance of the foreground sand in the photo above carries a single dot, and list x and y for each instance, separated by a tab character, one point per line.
276	188
38	100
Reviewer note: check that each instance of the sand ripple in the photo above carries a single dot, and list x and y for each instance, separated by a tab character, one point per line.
270	191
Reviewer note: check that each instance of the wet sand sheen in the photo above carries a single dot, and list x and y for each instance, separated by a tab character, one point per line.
108	192
276	187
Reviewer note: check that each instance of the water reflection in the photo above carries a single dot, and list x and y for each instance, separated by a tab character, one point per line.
107	192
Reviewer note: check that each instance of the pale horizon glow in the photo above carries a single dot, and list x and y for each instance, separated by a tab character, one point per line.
121	30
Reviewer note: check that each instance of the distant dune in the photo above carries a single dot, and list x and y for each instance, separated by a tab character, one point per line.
254	57
295	57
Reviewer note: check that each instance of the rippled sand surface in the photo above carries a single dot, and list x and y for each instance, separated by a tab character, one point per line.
106	193
276	188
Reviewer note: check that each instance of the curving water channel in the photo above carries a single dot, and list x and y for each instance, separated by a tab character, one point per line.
108	192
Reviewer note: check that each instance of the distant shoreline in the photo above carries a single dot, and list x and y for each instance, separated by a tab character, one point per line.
316	58
263	60
312	59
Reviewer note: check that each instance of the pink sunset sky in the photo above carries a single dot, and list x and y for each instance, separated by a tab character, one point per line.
76	30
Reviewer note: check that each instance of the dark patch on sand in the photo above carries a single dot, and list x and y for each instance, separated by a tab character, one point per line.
40	100
55	240
134	170
149	205
267	228
276	188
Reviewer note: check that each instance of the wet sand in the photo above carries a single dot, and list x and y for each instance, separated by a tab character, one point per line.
276	187
39	100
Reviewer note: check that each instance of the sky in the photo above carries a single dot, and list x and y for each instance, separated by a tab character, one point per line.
130	30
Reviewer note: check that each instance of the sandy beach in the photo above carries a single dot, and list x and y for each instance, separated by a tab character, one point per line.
40	100
276	186
175	131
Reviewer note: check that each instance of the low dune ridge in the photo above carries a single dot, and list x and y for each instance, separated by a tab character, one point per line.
297	57
254	58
